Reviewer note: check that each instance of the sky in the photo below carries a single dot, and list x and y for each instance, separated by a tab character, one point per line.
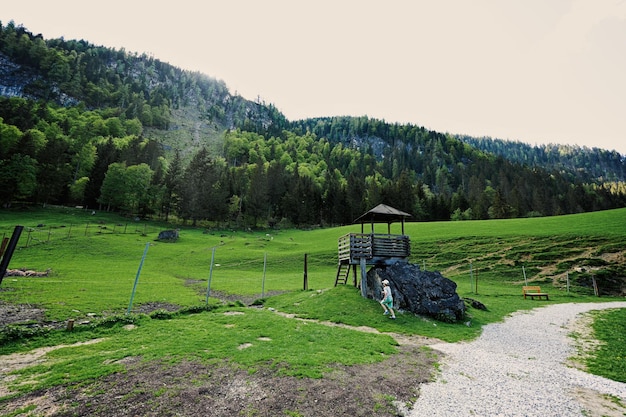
534	71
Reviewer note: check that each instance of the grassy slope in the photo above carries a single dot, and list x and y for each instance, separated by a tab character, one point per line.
93	269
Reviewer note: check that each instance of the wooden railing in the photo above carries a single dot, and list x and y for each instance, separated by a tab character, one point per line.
355	246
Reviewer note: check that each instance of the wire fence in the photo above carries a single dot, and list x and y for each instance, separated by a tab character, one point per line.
42	234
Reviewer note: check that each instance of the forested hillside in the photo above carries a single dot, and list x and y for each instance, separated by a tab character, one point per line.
106	129
579	162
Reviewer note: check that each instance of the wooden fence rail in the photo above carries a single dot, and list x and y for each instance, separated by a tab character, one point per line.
354	246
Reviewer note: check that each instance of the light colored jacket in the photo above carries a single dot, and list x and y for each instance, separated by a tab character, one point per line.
387	293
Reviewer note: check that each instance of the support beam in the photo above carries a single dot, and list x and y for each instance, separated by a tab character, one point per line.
10	248
363	278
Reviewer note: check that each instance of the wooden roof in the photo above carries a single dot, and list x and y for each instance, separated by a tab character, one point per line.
382	214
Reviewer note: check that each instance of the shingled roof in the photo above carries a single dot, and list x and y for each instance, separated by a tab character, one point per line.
382	214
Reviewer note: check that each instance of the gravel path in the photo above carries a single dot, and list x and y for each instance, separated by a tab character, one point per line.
517	368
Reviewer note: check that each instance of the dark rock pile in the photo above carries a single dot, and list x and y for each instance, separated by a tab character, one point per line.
425	293
168	235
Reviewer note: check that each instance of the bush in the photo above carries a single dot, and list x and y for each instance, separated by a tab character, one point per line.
161	314
117	319
19	332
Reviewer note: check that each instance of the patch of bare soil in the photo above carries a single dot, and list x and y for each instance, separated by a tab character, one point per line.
147	308
22	313
584	341
244	299
194	389
597	404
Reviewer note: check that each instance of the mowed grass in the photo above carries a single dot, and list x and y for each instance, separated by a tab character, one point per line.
243	337
94	261
610	357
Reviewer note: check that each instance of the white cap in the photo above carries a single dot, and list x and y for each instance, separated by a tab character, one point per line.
385	282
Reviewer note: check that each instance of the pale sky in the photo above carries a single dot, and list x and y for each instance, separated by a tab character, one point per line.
537	71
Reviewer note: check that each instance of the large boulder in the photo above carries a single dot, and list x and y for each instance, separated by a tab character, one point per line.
420	292
168	235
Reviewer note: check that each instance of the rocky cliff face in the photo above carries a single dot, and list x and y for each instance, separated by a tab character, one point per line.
13	78
425	293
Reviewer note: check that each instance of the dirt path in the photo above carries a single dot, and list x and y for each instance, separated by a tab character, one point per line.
17	361
402	339
520	368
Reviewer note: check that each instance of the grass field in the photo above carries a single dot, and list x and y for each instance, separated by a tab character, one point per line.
94	260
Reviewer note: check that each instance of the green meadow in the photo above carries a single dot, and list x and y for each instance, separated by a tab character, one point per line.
95	260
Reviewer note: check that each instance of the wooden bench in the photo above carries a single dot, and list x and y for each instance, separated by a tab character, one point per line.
533	291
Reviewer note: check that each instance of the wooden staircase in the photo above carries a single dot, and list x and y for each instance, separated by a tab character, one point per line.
343	272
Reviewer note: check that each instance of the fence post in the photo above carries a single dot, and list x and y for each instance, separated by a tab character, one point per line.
306	274
132	295
3	246
363	277
264	268
8	253
208	287
595	286
476	281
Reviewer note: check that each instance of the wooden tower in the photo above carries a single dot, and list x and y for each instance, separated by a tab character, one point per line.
372	248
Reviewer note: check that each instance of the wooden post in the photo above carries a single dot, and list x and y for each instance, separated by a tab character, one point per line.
8	252
595	286
363	278
306	274
476	281
70	325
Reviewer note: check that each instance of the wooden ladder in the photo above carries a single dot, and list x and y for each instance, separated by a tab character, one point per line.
342	277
